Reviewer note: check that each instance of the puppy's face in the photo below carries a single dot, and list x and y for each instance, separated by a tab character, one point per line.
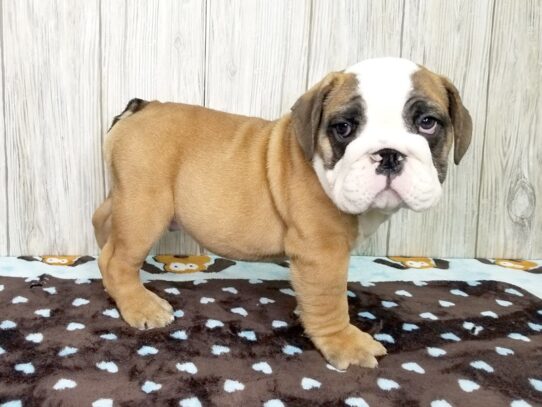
378	134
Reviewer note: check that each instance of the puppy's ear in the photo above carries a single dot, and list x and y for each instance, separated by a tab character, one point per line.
461	121
307	114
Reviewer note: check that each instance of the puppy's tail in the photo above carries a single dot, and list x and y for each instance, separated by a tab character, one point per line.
133	106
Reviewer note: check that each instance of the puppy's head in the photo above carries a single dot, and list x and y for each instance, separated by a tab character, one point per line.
378	134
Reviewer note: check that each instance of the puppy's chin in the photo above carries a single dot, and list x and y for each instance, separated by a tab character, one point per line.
387	201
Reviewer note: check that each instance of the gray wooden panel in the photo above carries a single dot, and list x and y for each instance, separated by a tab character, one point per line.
153	50
510	223
346	32
256	55
451	38
4	227
52	122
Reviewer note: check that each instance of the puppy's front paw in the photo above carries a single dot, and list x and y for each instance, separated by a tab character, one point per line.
350	346
143	309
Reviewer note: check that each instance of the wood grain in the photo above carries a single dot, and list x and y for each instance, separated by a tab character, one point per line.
451	38
4	227
256	55
510	223
346	32
52	122
153	50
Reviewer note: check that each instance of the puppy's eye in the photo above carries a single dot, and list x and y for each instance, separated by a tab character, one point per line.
427	125
342	130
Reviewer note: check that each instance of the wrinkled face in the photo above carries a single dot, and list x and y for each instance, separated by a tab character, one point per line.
378	134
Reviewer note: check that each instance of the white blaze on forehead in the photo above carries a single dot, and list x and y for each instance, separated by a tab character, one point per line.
384	85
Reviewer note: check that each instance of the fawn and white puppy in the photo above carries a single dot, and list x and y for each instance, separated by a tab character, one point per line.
356	147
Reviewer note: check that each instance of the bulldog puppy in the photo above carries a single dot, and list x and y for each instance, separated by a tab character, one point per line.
355	148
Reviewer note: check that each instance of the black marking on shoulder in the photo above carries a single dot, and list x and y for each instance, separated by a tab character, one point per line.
133	106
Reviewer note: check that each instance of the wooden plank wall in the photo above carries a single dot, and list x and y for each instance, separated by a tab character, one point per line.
69	66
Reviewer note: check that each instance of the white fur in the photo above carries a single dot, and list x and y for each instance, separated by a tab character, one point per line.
353	185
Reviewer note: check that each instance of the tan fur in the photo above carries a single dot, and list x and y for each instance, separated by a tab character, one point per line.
243	188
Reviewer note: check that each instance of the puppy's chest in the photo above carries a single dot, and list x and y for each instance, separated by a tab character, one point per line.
369	222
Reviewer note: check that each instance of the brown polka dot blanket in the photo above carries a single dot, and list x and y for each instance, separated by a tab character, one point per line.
458	333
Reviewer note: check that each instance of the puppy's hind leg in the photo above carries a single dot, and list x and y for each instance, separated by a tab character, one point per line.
137	222
101	220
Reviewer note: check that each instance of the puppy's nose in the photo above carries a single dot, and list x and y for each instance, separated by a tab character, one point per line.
391	161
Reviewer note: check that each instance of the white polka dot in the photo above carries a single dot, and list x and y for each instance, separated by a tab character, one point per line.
489	314
387	384
2	351
519	337
472	328
109	336
26	368
110	367
413	367
7	324
12	403
149	386
504	303
504	351
248	335
172	291
64	384
330	367
50	290
34	337
178	313
199	281
231	290
460	293
535	327
367	284
291	350
410	327
75	326
214	323
367	315
19	300
180	335
279	324
308	383
420	283
428	315
1	287
112	312
67	351
481	365
240	311
513	291
537	384
219	349
519	403
190	402
403	293
231	386
255	281
355	402
263	367
449	336
45	313
147	350
79	302
350	294
473	283
446	304
206	300
389	304
103	403
287	291
440	403
273	403
187	367
82	281
468	385
384	338
436	352
265	301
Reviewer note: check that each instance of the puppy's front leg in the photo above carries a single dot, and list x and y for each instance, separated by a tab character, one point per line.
319	277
